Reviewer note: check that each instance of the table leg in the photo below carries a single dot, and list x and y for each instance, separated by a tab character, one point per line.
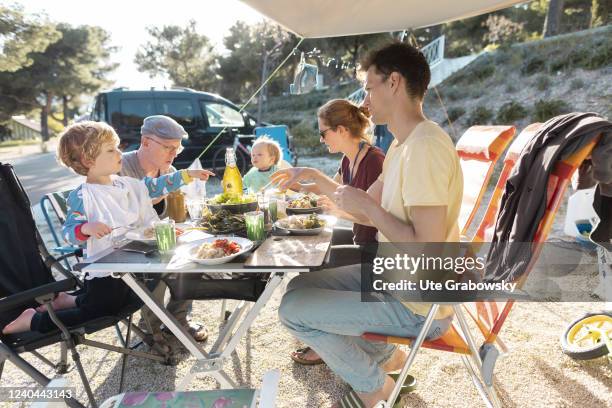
275	280
179	331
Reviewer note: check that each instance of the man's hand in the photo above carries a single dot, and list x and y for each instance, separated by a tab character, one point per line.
329	207
288	178
351	199
95	229
200	174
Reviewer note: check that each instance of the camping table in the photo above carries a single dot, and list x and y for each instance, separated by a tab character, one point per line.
276	255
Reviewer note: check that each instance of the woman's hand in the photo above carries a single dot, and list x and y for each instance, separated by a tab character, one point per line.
351	199
95	229
329	207
200	174
288	178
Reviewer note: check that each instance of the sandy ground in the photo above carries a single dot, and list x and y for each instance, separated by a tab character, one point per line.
535	373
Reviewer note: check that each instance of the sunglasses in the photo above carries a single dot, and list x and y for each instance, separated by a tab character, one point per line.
323	132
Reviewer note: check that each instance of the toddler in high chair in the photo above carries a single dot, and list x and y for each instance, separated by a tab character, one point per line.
266	157
104	205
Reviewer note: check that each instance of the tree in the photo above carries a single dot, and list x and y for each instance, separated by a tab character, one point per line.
186	57
552	22
19	36
74	64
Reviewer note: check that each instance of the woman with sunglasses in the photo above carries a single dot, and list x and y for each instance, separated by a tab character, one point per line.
343	128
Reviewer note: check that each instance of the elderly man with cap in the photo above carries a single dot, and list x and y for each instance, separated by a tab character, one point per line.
160	143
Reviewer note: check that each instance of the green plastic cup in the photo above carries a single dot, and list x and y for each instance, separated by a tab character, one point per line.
255	227
165	236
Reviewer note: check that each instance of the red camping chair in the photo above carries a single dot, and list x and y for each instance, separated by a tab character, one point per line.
481	362
512	156
479	149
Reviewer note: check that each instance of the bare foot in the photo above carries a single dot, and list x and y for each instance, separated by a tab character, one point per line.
370	399
62	301
20	324
396	362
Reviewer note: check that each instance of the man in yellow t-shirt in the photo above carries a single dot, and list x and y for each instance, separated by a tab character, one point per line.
415	200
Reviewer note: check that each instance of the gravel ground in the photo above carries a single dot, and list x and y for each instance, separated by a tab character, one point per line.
534	374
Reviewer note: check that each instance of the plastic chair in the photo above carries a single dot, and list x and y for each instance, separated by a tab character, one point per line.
57	203
479	149
279	133
27	281
490	316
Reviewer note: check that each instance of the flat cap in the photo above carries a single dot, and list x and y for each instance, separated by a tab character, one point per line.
162	126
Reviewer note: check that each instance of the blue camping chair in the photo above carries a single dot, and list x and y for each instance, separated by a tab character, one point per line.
280	133
55	204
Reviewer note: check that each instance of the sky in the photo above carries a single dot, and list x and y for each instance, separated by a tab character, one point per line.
126	21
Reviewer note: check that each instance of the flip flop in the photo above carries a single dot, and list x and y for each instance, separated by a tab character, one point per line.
304	361
351	400
409	385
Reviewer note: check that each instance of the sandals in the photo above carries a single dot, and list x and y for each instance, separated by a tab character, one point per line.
303	361
352	400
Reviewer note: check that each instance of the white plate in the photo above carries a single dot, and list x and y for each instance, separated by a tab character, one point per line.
188	250
137	234
329	221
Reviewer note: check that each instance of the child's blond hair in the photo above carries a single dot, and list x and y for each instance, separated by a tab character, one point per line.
274	148
82	142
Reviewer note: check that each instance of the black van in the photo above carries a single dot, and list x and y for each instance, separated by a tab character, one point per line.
202	114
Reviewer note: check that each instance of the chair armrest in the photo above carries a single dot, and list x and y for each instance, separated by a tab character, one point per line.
25	297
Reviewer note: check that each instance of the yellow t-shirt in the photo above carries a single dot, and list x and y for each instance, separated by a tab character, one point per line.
424	170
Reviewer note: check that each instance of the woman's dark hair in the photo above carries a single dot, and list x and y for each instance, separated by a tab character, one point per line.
341	112
405	59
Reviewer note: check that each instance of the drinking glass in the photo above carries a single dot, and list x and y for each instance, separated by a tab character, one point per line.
195	207
276	200
254	221
165	236
263	204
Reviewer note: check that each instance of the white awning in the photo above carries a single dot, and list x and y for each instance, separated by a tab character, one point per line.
333	18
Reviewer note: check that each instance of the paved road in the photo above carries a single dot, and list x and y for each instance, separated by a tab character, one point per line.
41	174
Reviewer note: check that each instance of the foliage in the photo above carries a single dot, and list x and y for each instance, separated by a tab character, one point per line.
306	137
510	112
455	113
544	110
186	57
542	82
481	115
576	83
502	30
20	36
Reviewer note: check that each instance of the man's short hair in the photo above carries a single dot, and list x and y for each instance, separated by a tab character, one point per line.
405	59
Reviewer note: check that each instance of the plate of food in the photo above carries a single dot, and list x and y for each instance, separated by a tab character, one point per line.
222	222
311	224
303	204
216	250
236	204
147	234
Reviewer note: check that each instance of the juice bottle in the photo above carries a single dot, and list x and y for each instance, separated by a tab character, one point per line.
232	180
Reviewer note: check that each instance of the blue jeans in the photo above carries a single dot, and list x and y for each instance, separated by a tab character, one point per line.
324	310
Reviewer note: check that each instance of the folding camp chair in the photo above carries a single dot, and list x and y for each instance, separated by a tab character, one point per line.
512	155
480	363
27	280
55	204
232	398
479	149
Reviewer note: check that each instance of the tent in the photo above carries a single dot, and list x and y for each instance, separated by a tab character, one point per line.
324	18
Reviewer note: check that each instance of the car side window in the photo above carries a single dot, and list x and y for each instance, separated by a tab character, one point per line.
133	111
221	115
180	110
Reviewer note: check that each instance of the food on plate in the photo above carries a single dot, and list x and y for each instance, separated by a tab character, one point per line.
217	249
307	201
231	199
149	232
222	221
301	222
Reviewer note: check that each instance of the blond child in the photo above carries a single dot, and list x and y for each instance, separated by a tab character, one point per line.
266	157
104	204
